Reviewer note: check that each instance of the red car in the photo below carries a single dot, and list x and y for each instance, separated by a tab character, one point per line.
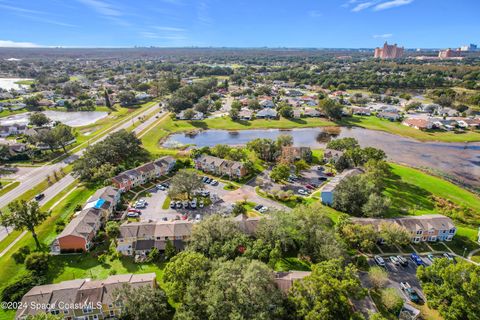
134	210
184	217
329	174
309	186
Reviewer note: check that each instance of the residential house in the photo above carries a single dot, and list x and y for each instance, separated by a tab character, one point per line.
135	177
267	113
418	123
392	116
361	111
294	93
220	167
430	227
197	115
267	103
246	224
328	190
285	280
245	114
291	154
139	238
297	113
311	112
13	129
96	299
106	199
468	122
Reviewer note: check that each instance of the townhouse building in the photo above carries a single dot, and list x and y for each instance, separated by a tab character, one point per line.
139	238
82	298
328	190
426	228
220	167
136	177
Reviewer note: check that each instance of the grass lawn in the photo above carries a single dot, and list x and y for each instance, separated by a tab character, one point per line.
7	186
410	191
375	123
292	263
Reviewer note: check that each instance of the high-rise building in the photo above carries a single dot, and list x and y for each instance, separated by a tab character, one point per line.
389	51
470	47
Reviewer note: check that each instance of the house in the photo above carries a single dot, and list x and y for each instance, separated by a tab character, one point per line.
361	111
139	238
332	155
328	190
418	123
311	112
95	299
135	177
392	116
245	114
267	103
267	113
291	154
294	93
220	167
197	115
297	113
430	227
285	280
13	129
105	199
468	122
246	224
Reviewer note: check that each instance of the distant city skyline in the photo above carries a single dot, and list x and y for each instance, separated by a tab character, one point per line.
245	23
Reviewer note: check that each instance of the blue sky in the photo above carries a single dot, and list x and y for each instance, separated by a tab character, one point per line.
239	23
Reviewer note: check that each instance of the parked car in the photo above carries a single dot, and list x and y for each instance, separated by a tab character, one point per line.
200	204
160	187
320	168
430	257
322	178
193	204
379	260
418	261
258	207
132	215
303	192
263	209
394	260
164	219
329	174
134	210
198	217
39	196
184	217
186	204
309	186
411	293
214	183
172	204
178	205
208	180
204	179
140	205
403	261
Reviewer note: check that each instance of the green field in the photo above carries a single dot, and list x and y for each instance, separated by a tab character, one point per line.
7	186
397	128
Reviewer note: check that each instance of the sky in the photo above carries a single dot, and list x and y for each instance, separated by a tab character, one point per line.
239	23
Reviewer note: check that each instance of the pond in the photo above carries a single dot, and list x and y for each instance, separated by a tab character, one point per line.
9	83
73	119
460	160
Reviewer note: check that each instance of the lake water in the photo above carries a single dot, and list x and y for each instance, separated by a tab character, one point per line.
73	119
461	160
9	83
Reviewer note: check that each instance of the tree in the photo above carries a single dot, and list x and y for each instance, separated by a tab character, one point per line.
243	289
170	250
451	288
144	302
126	98
238	209
331	109
392	300
186	268
266	149
343	144
378	277
286	111
218	237
63	135
44	316
350	195
325	293
185	182
47	137
38	119
112	229
234	114
32	102
357	236
280	172
394	234
24	215
375	206
37	262
284	140
189	114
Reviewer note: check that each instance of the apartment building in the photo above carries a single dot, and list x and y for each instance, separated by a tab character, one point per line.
389	51
220	167
81	298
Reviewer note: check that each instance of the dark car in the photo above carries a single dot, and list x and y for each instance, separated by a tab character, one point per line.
418	261
39	196
322	178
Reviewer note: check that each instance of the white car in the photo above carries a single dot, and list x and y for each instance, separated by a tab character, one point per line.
132	215
198	217
394	260
263	209
379	260
302	192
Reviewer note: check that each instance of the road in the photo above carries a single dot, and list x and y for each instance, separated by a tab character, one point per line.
37	175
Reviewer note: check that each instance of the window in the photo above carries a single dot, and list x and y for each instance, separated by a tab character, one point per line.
416	240
55	312
112	313
87	310
452	230
419	232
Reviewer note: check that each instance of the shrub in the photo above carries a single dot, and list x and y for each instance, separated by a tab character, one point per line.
21	254
37	262
19	287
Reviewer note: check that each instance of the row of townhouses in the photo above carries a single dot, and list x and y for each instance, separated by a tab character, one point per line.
328	190
220	167
430	227
81	298
138	238
144	173
79	233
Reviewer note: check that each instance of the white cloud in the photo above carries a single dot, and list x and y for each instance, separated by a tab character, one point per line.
315	14
14	44
102	7
383	36
391	4
19	9
172	29
362	6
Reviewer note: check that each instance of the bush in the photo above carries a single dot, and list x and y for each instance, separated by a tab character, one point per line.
21	254
361	262
37	262
59	226
392	301
17	289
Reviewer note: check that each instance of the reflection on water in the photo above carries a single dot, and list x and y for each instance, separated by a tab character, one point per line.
457	159
73	119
